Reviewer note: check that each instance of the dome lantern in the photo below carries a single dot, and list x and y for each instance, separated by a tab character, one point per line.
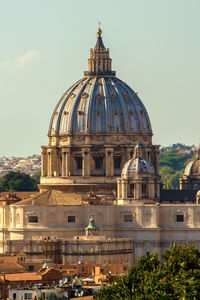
99	63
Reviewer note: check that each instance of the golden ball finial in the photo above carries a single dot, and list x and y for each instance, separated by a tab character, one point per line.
99	31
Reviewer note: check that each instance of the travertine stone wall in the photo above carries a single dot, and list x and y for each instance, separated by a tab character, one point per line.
151	227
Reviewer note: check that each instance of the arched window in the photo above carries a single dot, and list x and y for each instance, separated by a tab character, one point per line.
132	190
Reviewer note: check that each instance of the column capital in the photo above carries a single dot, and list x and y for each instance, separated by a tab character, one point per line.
109	150
65	150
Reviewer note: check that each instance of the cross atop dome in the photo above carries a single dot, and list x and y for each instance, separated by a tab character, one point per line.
99	62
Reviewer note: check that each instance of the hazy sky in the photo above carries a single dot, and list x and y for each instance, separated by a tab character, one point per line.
154	45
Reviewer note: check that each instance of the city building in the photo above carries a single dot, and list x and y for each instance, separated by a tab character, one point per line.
100	167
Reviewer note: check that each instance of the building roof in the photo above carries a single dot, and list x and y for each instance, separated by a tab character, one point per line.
52	197
10	267
16	195
23	277
178	196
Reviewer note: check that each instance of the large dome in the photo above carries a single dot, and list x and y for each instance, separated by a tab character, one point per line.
100	104
94	130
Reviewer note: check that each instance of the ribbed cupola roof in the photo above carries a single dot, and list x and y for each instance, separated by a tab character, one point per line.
99	62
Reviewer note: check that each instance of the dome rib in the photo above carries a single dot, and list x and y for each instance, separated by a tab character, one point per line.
125	118
107	106
63	105
53	115
141	104
89	112
73	119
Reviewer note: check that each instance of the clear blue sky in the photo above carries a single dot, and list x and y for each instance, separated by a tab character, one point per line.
154	44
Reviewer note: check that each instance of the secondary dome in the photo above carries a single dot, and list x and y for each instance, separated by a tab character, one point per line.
137	166
193	167
100	102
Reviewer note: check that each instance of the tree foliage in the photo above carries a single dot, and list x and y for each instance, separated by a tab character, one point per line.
176	277
172	164
17	181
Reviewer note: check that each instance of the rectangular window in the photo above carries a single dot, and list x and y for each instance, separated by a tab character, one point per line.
144	189
128	218
117	162
28	296
79	161
33	219
99	163
92	259
30	268
179	218
71	219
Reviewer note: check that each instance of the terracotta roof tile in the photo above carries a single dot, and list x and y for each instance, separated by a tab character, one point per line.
52	197
23	277
7	266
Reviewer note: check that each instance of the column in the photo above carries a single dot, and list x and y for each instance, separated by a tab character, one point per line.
151	190
118	188
109	161
63	163
67	162
86	162
49	173
190	217
13	223
124	189
138	190
44	162
157	161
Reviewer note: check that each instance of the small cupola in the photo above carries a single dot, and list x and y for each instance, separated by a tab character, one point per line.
91	229
138	180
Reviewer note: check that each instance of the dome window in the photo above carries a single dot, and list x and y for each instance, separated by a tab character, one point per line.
65	113
72	95
113	96
132	113
85	95
116	113
98	113
80	113
126	96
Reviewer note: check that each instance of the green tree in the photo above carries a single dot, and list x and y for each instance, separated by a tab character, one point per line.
36	177
17	181
176	277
